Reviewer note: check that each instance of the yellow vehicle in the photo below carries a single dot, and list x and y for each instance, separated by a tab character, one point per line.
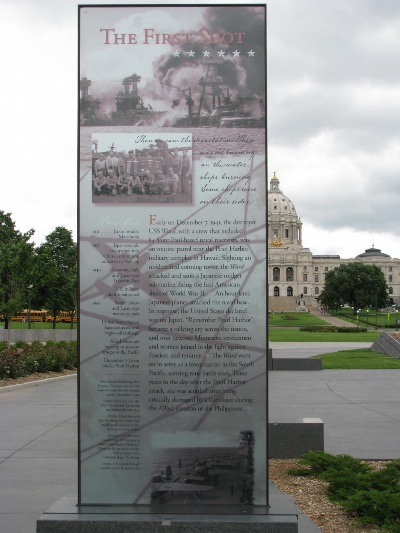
64	316
35	316
67	316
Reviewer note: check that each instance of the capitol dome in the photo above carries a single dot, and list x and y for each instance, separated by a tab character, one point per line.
284	226
278	203
372	253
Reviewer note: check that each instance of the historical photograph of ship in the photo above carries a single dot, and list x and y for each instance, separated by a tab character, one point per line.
202	75
142	168
212	475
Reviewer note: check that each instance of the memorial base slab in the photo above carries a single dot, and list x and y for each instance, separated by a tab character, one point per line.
66	517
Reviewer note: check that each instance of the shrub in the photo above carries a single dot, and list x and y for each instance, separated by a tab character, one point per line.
11	363
324	329
373	496
376	507
351	330
37	357
333	329
69	353
37	352
320	462
21	344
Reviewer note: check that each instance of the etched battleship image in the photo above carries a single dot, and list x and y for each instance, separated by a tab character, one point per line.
210	102
211	475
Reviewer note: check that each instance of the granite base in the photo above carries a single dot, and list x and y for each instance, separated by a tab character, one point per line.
66	517
290	439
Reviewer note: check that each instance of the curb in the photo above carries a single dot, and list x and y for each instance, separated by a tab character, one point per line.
10	388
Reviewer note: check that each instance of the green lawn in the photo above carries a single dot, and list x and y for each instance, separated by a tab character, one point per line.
294	320
381	319
294	335
357	359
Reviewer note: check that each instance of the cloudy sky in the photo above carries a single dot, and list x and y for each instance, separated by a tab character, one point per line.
333	111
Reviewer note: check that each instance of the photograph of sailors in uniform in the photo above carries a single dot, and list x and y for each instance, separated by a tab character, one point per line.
153	173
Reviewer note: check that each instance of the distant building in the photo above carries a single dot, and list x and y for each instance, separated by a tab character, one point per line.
295	276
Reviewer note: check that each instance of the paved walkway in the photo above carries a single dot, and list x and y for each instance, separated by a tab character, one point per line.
301	350
38	451
38	440
360	408
333	320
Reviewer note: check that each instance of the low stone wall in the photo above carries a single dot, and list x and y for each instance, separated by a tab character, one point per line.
293	363
42	335
296	364
388	344
289	440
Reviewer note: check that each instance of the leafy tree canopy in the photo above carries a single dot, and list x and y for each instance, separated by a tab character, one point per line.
56	271
16	262
354	284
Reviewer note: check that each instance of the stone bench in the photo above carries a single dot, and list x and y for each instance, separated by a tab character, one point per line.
289	440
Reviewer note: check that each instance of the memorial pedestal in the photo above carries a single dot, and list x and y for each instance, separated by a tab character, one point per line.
66	517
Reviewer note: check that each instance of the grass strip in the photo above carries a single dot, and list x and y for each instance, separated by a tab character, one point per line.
362	359
294	335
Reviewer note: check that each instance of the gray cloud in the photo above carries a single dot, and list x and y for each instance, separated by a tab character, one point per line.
333	98
334	109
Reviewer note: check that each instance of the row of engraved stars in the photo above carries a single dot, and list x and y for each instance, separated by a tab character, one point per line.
207	53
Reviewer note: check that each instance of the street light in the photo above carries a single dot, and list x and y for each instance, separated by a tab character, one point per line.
30	287
367	318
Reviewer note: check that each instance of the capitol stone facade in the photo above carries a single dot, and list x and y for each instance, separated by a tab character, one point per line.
295	275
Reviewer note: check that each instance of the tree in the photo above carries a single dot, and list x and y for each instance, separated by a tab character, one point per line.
354	284
16	262
56	273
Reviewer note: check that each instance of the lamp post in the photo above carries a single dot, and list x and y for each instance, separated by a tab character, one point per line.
30	287
367	318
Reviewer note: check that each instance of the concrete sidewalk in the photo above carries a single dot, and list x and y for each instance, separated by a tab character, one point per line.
333	320
360	408
38	443
301	350
38	450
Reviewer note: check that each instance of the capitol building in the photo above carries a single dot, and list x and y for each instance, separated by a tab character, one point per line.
295	275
